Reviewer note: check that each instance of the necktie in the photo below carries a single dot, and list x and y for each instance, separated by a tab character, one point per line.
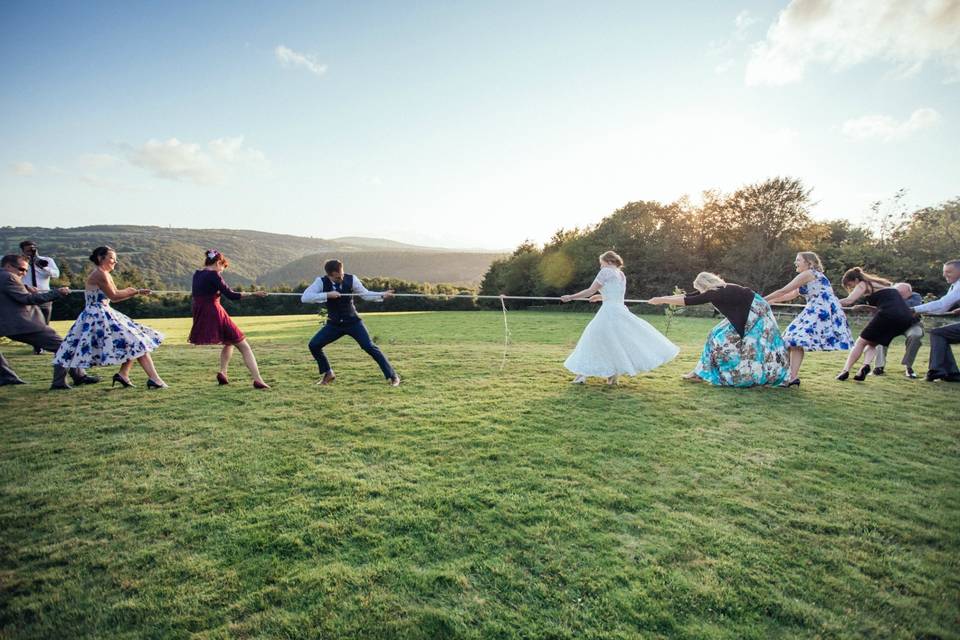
33	271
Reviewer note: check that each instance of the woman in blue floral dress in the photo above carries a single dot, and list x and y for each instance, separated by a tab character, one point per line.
102	335
822	325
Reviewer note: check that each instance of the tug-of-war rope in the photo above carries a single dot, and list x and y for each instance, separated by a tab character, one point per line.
447	296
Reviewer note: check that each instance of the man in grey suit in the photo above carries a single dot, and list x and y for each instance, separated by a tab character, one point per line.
21	320
7	374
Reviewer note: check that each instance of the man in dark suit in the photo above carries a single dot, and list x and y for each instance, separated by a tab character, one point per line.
21	320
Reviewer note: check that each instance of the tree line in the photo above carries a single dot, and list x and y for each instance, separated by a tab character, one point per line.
750	237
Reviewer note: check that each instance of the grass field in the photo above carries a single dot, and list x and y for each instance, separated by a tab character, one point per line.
475	503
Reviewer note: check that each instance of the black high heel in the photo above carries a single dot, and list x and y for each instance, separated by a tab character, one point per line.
863	373
123	381
794	383
153	385
843	375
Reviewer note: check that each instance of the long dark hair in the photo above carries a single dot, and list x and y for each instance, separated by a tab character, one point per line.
99	254
859	275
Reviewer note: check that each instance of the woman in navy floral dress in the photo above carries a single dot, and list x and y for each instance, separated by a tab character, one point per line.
822	325
102	335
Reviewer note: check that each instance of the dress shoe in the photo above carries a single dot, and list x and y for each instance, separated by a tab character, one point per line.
124	382
87	380
63	386
932	377
155	385
222	379
843	375
260	385
878	371
394	381
327	378
863	373
793	383
579	380
910	374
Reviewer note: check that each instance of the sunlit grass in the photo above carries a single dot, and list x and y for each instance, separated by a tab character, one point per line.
471	502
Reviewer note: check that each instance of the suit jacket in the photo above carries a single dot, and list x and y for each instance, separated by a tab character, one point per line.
18	308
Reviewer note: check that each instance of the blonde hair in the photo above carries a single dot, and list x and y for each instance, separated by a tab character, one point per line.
812	259
612	257
705	281
859	275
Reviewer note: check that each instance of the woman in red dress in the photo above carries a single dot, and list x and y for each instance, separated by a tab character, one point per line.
212	324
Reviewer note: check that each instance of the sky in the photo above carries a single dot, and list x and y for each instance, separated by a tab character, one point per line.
465	124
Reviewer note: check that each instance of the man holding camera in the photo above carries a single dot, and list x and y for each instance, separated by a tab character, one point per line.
40	270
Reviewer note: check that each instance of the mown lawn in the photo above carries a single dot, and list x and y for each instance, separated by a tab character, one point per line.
473	502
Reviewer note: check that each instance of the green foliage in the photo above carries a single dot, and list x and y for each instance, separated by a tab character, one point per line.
474	503
749	236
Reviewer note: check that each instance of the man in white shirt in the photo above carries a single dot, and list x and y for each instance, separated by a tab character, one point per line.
40	270
342	319
943	366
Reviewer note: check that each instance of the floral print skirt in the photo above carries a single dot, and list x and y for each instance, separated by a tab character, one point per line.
758	358
102	335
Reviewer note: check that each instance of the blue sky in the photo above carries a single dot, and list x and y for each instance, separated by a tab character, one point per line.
465	124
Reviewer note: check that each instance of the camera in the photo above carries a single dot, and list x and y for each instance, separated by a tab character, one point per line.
42	263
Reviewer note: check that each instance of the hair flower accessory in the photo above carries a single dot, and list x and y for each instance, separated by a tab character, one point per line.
212	253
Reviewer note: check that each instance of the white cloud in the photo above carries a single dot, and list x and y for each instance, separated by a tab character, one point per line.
728	50
183	161
23	168
289	57
175	160
887	129
844	33
743	22
231	150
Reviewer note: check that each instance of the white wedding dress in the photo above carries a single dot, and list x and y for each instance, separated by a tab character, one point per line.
616	342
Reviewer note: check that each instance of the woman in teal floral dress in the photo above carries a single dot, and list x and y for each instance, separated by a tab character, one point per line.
746	349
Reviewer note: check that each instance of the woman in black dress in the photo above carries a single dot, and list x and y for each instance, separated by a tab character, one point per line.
893	317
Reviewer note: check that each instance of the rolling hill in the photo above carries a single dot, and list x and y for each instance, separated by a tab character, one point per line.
168	256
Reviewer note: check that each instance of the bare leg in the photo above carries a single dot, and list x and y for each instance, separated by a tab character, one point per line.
225	354
858	348
125	370
796	359
147	363
250	360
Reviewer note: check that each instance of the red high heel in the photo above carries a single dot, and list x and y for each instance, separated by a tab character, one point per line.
260	385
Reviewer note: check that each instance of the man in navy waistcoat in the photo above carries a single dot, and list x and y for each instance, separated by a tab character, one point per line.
342	318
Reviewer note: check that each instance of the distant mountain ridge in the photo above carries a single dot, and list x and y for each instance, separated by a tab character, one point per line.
168	256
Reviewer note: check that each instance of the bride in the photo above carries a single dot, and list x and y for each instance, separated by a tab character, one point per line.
616	342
